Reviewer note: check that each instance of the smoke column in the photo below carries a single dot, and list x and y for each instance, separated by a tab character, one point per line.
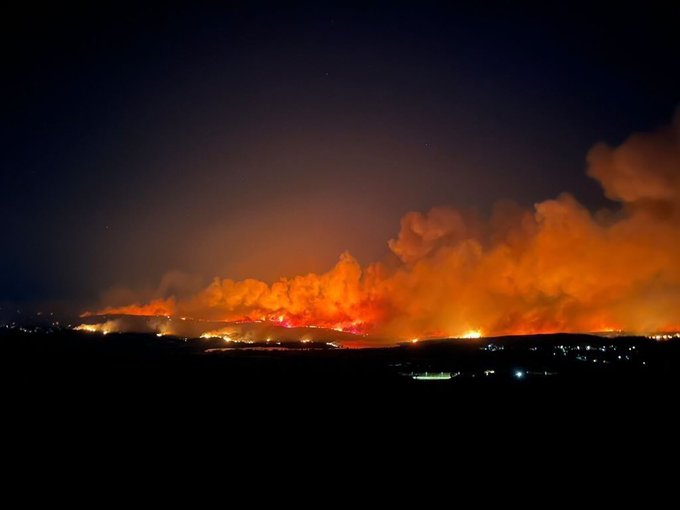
556	267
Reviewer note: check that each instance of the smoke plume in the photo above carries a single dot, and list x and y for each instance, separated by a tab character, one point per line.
556	267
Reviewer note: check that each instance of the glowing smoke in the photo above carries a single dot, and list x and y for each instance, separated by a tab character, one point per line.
557	267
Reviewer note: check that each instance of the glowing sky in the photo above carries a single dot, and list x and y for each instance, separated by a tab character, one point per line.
179	144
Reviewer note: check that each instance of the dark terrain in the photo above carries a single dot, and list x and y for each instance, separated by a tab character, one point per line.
76	368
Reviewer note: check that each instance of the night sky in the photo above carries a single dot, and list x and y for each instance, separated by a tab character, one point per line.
251	141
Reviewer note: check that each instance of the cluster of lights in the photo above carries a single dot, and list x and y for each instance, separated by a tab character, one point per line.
518	374
432	376
493	347
36	329
664	336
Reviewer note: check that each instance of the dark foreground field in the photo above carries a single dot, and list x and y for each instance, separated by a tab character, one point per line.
80	371
577	396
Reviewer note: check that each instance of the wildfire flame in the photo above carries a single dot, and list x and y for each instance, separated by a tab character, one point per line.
104	328
555	268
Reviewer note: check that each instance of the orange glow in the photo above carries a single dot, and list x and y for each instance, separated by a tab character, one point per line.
90	328
104	328
156	307
555	268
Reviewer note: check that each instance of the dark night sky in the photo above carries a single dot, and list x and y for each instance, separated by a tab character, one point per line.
251	141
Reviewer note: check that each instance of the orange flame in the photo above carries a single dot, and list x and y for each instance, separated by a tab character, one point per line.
556	268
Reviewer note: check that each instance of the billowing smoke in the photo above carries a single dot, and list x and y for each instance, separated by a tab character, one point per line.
556	267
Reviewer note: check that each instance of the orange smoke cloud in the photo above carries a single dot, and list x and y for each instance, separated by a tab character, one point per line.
557	267
155	307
